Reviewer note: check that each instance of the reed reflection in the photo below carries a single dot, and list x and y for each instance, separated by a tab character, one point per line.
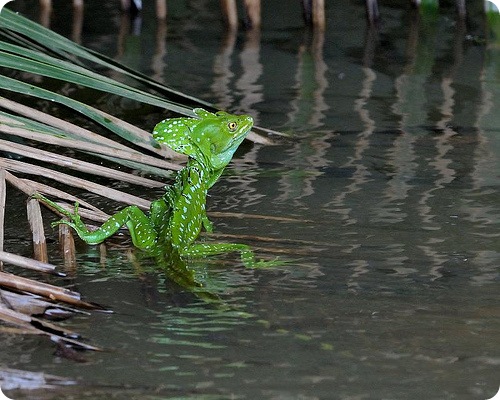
247	85
429	165
308	109
361	174
223	71
309	106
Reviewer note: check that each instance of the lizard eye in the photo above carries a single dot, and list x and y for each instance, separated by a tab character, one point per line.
232	126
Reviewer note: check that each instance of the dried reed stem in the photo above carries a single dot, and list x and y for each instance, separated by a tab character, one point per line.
36	224
19	166
96	147
2	209
28	263
75	164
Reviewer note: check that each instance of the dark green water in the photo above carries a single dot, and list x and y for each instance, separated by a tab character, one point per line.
392	173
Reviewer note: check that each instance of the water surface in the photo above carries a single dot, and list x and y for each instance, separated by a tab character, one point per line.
391	173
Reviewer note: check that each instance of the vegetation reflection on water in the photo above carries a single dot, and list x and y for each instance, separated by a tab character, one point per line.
393	168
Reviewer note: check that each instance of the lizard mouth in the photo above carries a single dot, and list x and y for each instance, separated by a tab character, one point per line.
246	126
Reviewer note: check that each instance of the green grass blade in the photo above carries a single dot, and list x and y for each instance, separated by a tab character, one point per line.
15	57
96	115
67	49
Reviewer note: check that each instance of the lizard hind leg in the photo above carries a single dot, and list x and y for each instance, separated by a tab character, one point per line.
208	249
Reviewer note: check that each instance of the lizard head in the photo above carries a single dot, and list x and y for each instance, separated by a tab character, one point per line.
211	139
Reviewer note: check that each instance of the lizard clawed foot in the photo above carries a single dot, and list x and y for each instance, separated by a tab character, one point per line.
73	216
276	262
249	261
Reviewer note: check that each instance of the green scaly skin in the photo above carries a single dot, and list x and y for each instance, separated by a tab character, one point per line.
175	220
